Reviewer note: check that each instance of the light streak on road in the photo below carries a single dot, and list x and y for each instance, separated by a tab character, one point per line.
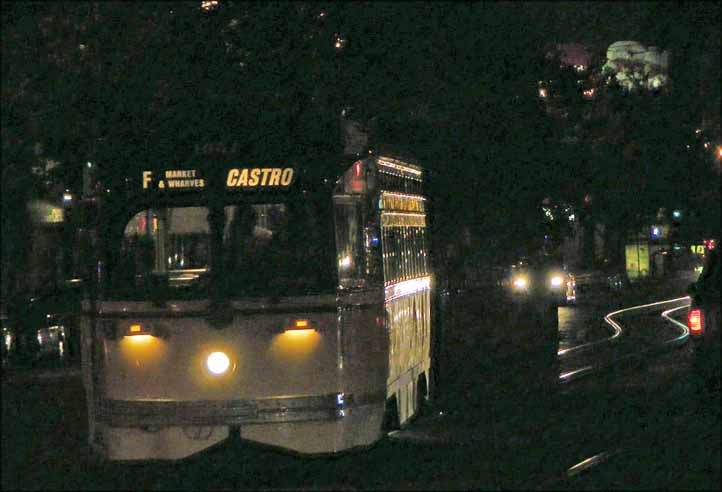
585	346
685	329
616	326
618	330
576	373
592	461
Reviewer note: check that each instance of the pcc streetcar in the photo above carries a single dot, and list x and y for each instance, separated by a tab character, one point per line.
278	303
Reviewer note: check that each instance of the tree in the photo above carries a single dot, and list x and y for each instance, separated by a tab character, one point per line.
628	151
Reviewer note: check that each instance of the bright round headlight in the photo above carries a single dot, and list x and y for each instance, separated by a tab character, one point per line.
557	280
218	362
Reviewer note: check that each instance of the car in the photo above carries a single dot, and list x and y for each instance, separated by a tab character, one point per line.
543	276
563	286
530	308
43	326
52	338
703	318
56	313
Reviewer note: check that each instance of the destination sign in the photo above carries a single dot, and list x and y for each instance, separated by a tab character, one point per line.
236	178
180	179
260	177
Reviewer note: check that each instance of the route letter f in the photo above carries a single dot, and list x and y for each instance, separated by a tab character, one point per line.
147	177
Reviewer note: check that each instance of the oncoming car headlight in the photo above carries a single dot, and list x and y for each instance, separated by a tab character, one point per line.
556	281
520	283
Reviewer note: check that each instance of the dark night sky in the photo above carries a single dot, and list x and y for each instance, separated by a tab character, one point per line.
461	64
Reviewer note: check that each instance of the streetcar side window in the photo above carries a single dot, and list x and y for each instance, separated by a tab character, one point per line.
405	253
349	241
359	257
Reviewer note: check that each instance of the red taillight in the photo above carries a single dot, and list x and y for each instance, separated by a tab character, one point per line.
695	321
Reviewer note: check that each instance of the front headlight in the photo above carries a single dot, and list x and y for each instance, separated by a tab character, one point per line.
218	363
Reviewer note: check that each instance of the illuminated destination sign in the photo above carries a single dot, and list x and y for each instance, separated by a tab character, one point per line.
260	177
235	178
181	179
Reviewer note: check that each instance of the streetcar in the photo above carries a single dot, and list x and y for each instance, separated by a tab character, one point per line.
287	304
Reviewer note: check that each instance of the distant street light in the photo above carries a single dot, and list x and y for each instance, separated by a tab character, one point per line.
339	42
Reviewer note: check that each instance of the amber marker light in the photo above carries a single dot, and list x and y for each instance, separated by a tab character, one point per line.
138	332
140	344
300	326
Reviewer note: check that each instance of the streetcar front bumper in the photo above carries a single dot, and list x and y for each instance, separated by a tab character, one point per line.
171	430
164	413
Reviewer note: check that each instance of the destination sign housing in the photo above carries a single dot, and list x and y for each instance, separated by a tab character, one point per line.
235	178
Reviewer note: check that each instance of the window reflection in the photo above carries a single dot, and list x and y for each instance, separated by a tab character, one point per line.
272	249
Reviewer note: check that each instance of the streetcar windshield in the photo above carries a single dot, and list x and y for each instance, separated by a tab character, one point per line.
278	249
275	249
